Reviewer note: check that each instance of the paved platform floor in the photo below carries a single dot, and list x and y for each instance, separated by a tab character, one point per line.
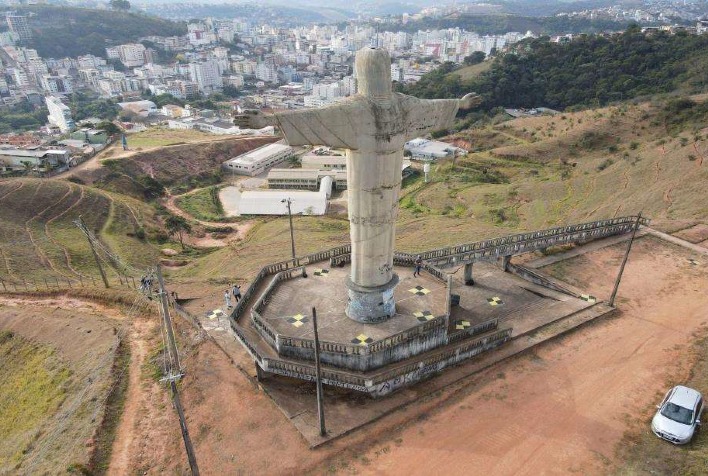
418	299
495	294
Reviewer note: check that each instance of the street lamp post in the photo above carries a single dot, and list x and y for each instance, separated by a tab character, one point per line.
288	202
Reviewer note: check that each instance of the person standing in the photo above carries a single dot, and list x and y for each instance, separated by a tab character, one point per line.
418	266
237	293
227	299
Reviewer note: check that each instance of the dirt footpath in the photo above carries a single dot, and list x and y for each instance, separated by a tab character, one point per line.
565	407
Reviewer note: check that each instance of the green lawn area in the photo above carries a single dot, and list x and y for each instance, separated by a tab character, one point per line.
203	204
470	72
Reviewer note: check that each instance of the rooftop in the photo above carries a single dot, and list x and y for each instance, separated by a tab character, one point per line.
260	153
270	202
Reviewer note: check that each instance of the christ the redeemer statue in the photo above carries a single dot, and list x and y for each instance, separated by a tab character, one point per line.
373	127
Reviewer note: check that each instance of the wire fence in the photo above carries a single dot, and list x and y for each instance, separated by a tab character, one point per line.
20	284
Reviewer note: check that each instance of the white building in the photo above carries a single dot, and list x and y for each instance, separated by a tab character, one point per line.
424	149
323	159
59	114
207	76
132	54
702	27
258	160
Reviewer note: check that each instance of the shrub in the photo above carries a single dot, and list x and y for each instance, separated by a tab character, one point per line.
604	164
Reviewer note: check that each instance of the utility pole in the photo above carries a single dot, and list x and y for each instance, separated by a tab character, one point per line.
624	260
318	375
80	223
175	372
172	345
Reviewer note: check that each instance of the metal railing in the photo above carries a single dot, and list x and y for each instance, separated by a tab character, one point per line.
525	242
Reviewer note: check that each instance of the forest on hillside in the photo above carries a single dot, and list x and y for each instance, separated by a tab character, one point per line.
498	24
59	32
590	71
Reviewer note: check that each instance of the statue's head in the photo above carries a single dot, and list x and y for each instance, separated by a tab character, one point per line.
373	73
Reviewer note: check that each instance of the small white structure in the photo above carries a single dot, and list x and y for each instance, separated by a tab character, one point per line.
424	149
258	160
270	202
12	157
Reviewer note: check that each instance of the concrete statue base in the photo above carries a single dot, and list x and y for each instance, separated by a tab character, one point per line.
371	305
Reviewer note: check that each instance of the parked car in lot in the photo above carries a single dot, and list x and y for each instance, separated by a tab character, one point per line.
678	416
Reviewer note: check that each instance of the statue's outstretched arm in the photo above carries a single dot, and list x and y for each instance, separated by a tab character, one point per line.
334	125
428	115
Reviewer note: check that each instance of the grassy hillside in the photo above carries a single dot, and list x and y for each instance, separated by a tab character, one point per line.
69	31
38	238
522	175
182	167
34	386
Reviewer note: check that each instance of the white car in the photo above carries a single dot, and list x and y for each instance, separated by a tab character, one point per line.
679	415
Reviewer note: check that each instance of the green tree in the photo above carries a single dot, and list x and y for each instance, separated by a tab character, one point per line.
177	225
109	127
475	58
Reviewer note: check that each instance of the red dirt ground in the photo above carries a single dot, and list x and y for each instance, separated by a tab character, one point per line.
563	408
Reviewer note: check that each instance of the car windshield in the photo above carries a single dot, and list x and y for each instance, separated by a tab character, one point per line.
677	413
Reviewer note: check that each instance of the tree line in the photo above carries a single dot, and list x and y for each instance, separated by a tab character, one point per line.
590	71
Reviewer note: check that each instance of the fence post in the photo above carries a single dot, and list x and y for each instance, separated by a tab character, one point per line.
81	280
25	283
133	280
69	283
3	284
57	281
93	281
46	283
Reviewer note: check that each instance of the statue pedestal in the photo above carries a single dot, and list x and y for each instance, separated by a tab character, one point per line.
371	305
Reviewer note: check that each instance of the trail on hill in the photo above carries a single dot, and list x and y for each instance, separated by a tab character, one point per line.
240	230
12	191
125	439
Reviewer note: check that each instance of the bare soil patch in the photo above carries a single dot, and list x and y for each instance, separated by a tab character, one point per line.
695	234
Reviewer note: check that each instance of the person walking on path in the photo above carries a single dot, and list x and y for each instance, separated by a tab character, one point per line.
237	293
418	266
227	299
